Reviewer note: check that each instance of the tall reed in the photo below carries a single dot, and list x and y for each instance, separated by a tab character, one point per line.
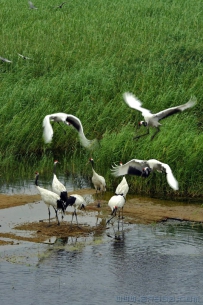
83	57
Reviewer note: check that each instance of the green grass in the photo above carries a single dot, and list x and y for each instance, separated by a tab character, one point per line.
84	57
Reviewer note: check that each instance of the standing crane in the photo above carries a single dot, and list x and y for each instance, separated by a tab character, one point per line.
50	199
77	202
123	187
116	203
97	180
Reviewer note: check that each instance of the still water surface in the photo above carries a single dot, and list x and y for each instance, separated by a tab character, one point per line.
149	264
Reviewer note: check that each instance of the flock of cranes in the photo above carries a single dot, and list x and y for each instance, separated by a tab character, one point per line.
58	198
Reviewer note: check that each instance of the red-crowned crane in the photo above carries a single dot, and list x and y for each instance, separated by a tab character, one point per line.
57	186
152	120
123	187
77	202
50	199
143	168
67	119
116	203
97	180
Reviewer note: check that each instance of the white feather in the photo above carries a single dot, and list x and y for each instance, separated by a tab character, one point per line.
116	202
153	164
67	119
122	188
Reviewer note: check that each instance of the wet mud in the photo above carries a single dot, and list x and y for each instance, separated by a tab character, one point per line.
136	210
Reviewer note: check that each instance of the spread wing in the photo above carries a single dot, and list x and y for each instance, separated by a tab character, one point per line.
133	102
163	167
47	129
5	59
167	112
170	177
133	167
76	123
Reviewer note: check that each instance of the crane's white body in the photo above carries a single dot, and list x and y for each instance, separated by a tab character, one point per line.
122	188
50	198
77	202
116	202
97	180
57	186
152	120
140	165
67	119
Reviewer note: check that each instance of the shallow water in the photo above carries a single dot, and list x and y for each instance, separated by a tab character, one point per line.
27	186
161	264
145	264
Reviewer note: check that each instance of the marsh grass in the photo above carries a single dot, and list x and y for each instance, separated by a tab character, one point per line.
83	57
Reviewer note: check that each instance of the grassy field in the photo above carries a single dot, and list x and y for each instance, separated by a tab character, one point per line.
83	58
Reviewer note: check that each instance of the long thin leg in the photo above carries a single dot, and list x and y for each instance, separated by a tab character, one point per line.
118	219
144	134
97	217
110	218
122	214
76	217
72	217
49	214
157	130
56	215
74	213
122	218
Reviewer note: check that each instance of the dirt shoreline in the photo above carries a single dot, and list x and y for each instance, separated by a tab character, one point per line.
136	210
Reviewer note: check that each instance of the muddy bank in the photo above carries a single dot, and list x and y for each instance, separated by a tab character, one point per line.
9	201
136	210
